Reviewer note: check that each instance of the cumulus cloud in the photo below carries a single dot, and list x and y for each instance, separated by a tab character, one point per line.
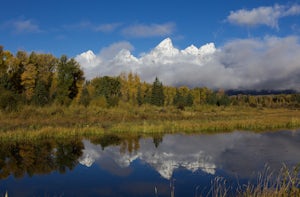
112	50
151	30
268	16
268	63
19	26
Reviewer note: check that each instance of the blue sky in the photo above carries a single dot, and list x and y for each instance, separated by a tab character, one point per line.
72	27
254	44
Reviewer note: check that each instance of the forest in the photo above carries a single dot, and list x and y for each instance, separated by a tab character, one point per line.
38	79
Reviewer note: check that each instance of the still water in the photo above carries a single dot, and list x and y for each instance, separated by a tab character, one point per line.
142	166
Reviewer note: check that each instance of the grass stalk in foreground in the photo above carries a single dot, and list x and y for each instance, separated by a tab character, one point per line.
285	184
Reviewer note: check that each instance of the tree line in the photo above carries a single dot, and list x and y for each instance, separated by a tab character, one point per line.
42	79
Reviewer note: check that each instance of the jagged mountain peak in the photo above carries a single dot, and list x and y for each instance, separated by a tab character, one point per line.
192	50
164	49
208	48
89	56
125	55
165	44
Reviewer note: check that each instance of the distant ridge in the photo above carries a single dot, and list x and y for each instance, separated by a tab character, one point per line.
259	92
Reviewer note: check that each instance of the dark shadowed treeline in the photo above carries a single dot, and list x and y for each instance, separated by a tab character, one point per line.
42	79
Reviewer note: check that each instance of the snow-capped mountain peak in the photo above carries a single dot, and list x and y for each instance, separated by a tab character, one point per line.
89	56
207	49
165	44
191	50
163	53
124	56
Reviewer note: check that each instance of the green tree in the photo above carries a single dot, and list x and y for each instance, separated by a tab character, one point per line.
157	96
178	100
41	94
69	80
212	99
189	101
85	96
8	100
109	87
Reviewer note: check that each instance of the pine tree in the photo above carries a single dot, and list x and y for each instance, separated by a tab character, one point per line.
189	100
157	96
178	100
41	94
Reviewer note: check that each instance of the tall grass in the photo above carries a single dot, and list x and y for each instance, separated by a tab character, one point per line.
285	183
55	120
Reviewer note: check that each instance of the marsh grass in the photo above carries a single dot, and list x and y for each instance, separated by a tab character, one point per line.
285	183
49	133
57	121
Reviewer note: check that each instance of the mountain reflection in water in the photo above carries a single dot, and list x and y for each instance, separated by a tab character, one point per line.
238	153
123	165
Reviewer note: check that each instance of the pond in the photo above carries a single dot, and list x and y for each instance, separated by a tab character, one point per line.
159	165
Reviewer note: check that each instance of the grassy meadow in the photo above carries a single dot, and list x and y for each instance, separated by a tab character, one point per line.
58	121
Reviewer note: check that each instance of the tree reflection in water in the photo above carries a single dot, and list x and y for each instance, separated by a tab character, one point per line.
40	157
45	156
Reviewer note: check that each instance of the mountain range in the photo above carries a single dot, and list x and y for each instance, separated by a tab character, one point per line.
240	64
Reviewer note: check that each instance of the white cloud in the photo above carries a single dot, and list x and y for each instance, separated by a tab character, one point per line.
87	25
106	28
96	65
268	16
151	30
19	26
112	50
268	63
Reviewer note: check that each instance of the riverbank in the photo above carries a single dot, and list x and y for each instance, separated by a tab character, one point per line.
57	121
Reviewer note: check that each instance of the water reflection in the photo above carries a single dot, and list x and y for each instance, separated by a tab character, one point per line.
124	165
241	154
40	157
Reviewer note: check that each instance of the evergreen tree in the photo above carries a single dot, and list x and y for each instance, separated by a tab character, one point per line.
69	79
41	94
109	87
178	100
212	99
157	96
189	100
224	100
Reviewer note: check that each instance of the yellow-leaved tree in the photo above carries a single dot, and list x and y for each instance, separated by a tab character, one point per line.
28	79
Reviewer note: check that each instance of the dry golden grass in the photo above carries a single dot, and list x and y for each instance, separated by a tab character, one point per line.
60	121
